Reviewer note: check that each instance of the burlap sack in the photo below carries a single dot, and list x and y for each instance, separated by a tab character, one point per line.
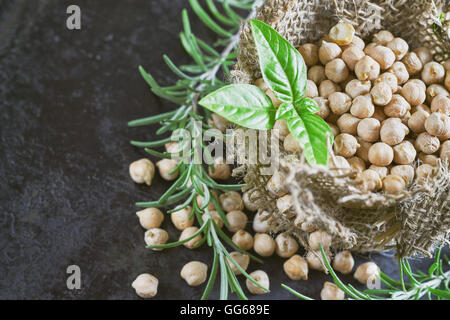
326	199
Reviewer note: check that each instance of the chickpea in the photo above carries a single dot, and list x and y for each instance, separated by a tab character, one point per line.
383	37
339	163
243	240
260	277
261	84
324	110
425	171
383	55
182	218
399	70
352	55
421	107
447	80
393	131
435	90
231	201
327	87
342	33
336	70
427	143
237	220
397	107
369	180
424	54
311	89
390	79
347	123
444	153
404	153
418	82
275	101
404	171
367	69
382	171
362	107
241	259
368	271
350	77
166	166
438	124
142	171
393	184
343	262
315	260
222	170
284	203
215	216
363	150
345	145
261	222
379	114
429	158
156	236
441	104
172	147
150	218
146	285
356	42
189	232
264	245
276	185
357	88
319	237
329	51
412	63
381	154
369	129
446	65
382	94
194	273
248	200
317	74
334	128
220	122
413	94
369	47
399	46
433	72
330	291
339	102
286	246
310	53
210	204
417	121
281	129
296	268
357	164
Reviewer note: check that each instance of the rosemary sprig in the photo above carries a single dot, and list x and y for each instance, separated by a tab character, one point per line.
412	286
195	81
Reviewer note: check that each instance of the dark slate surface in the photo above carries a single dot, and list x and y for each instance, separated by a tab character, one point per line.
65	194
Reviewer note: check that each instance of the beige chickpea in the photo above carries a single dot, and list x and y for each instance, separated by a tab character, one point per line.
319	237
413	94
388	78
310	53
142	171
399	70
366	272
215	216
367	69
276	184
261	222
311	89
369	47
322	104
393	184
336	70
261	278
357	88
249	200
210	204
286	246
189	232
418	82
441	104
368	180
424	54
345	145
356	42
334	128
433	72
357	164
339	102
342	33
296	268
417	121
350	77
260	83
435	90
172	147
194	273
352	55
362	107
383	55
146	285
446	65
317	74
382	171
343	262
275	101
328	51
243	239
222	170
404	153
231	201
237	220
182	218
438	124
281	129
427	143
369	129
430	159
363	150
422	107
220	122
327	87
412	63
381	154
382	94
243	260
156	236
378	114
397	107
404	171
424	172
264	245
444	153
291	144
150	218
393	131
315	260
284	203
447	80
339	162
383	37
399	46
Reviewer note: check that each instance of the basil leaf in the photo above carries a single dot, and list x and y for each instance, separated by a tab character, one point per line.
242	104
282	66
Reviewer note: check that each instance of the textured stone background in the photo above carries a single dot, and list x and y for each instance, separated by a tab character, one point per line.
65	194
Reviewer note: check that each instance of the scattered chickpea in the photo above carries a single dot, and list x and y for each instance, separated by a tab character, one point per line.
362	107
311	89
231	201
399	70
369	180
324	110
430	159
425	171
342	33
194	273
215	217
150	218
352	55
166	166
424	54
281	128
381	154
382	94
441	104
369	129
413	94
142	171
327	87
393	131
399	46
315	260
260	277
412	63
249	204
367	69
404	171
210	204
345	145
382	171
222	170
343	262
357	88
433	72
427	143
286	246
390	79
438	124
404	153
317	74
261	223
367	272
310	53
264	245
276	184
296	268
243	239
383	37
330	291
339	163
393	184
357	164
182	218
146	285
417	121
241	259
383	55
356	42
339	102
336	70
434	90
397	107
319	237
156	236
237	220
328	51
189	232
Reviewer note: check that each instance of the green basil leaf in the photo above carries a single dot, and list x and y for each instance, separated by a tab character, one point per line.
242	104
308	104
282	66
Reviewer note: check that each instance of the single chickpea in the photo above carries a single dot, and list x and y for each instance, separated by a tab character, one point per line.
382	94
348	123
334	128
369	129
281	129
286	246
194	273
389	79
430	159
418	82
275	101
260	277
182	218
317	74
222	170
412	63
261	222
383	37
352	55
249	202
366	272
156	236
356	42
444	153
243	240
329	51
404	171
310	53
345	145
393	184
146	285
327	87
382	171
276	185
311	89
339	163
379	114
446	65
368	180
342	33
447	80
220	122
399	46
357	88
343	262
210	204
336	70
231	201
367	69
357	164
150	218
404	153
362	107
393	131
413	94
237	220
438	124
187	233
383	55
427	143
381	154
284	203
433	72
315	260
260	83
173	147
399	70
424	54
441	104
215	216
435	90
166	168
142	171
264	245
417	121
397	107
330	291
421	107
369	47
339	102
319	237
241	259
296	268
424	172
363	150
324	110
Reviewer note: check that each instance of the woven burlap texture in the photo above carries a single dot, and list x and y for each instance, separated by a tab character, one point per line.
414	222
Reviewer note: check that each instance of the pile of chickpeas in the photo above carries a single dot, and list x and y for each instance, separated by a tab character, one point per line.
387	106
